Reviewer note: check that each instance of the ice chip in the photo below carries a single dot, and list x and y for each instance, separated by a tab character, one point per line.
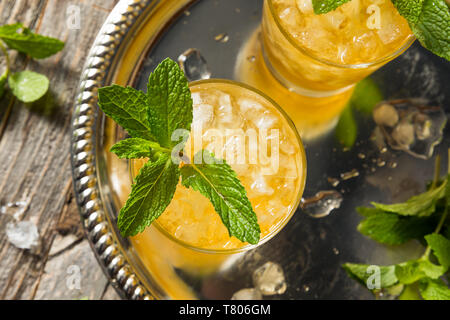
265	121
196	98
203	115
269	279
260	186
305	6
225	110
385	114
194	65
249	107
23	234
419	129
322	204
247	294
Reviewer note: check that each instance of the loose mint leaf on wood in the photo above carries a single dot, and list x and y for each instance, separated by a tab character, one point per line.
170	102
441	248
150	195
324	6
218	182
421	205
361	273
434	289
128	107
22	39
134	148
392	229
414	270
28	86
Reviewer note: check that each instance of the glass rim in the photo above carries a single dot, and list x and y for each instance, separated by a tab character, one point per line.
408	42
281	224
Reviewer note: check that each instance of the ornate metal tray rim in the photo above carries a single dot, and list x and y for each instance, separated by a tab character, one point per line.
101	63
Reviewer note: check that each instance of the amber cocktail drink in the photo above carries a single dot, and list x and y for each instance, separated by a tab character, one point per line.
253	135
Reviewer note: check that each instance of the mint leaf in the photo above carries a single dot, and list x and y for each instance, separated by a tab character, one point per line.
219	183
324	6
434	290
414	270
3	80
410	292
128	107
366	96
421	205
134	148
441	248
170	102
409	9
360	272
430	22
20	38
28	86
347	129
150	195
389	228
367	211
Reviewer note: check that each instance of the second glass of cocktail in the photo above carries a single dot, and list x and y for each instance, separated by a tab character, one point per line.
309	63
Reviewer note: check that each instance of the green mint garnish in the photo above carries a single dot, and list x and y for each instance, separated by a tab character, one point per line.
219	183
170	102
128	108
429	20
136	148
27	86
432	27
424	218
151	119
20	38
150	195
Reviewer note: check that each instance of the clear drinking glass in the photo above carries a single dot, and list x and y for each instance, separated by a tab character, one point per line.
317	59
189	236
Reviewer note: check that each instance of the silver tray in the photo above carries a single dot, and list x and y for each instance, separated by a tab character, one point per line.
136	36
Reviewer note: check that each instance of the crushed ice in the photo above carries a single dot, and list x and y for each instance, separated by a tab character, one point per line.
194	65
322	204
410	125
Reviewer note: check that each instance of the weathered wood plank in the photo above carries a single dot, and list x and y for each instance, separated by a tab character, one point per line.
34	150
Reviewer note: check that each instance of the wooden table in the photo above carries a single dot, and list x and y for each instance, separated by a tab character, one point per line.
35	163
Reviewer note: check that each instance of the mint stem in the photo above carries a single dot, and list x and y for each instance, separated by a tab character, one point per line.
5	53
437	172
444	216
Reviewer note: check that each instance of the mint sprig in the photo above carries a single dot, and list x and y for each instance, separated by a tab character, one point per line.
27	86
217	181
429	20
151	119
425	218
150	195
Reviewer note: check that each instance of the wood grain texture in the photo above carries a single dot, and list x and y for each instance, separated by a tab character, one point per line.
34	156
